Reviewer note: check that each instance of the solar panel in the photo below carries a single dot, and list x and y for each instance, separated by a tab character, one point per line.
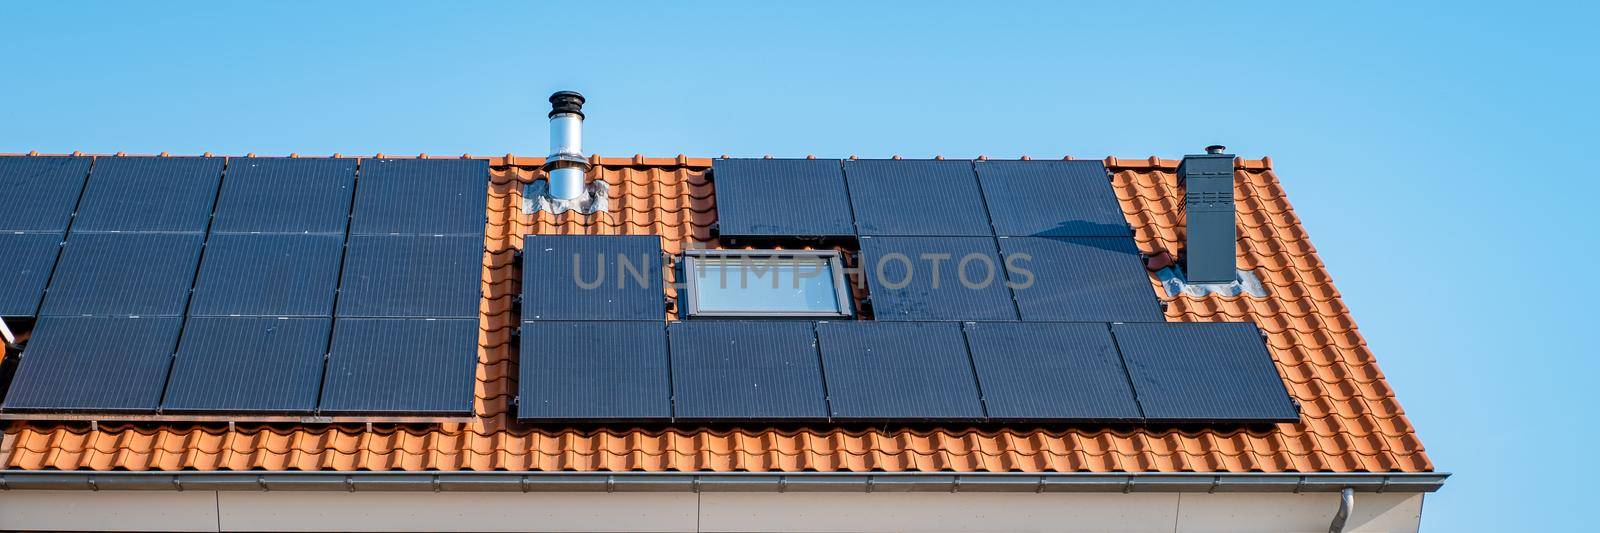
898	370
782	197
412	276
41	192
268	275
421	197
94	364
106	274
1057	198
401	366
1050	371
270	365
285	195
594	371
149	194
1203	372
1093	279
592	277
936	278
26	260
746	369
916	197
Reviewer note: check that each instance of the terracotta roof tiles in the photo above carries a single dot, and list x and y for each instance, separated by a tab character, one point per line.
1350	419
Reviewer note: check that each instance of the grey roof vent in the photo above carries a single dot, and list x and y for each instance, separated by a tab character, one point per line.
1209	215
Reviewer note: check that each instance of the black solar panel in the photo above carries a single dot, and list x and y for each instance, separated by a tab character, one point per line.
594	371
412	276
746	369
1058	198
401	366
284	195
592	277
40	192
271	365
916	197
421	197
936	278
898	370
1203	372
1050	371
782	197
149	194
268	275
94	364
26	260
1091	279
146	274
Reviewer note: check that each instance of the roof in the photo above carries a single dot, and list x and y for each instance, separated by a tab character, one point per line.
1350	420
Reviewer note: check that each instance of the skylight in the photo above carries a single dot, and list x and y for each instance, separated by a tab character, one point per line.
764	283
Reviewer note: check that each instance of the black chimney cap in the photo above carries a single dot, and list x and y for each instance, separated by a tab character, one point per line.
566	102
1213	149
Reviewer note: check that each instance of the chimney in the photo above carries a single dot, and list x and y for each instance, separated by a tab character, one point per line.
1209	215
566	164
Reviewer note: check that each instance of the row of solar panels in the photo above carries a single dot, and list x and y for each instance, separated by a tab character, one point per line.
197	258
150	274
248	365
877	371
1096	279
834	198
260	195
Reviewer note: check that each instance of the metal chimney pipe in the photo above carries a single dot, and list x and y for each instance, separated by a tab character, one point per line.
566	164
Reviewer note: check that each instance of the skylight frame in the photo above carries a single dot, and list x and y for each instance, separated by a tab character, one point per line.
690	299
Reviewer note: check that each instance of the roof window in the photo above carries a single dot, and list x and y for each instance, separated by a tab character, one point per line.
764	283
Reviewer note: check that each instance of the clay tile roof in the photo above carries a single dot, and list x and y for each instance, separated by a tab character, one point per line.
1350	419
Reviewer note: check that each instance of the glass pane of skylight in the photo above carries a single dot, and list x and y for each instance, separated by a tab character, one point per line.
764	285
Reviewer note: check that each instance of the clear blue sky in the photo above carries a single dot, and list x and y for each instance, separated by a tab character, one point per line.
1440	156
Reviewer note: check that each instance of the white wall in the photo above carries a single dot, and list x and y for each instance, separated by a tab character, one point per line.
710	511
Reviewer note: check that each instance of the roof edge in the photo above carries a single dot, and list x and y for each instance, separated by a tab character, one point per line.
1151	162
540	481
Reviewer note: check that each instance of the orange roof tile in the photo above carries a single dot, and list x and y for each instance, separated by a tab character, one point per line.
1350	419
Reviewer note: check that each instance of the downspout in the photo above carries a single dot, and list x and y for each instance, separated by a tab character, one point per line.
1347	503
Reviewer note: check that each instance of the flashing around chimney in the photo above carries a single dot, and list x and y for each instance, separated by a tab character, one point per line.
1245	283
593	199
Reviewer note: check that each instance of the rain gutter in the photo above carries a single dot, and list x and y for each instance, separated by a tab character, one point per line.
544	481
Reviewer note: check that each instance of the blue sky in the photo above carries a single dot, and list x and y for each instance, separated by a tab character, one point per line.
1438	154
